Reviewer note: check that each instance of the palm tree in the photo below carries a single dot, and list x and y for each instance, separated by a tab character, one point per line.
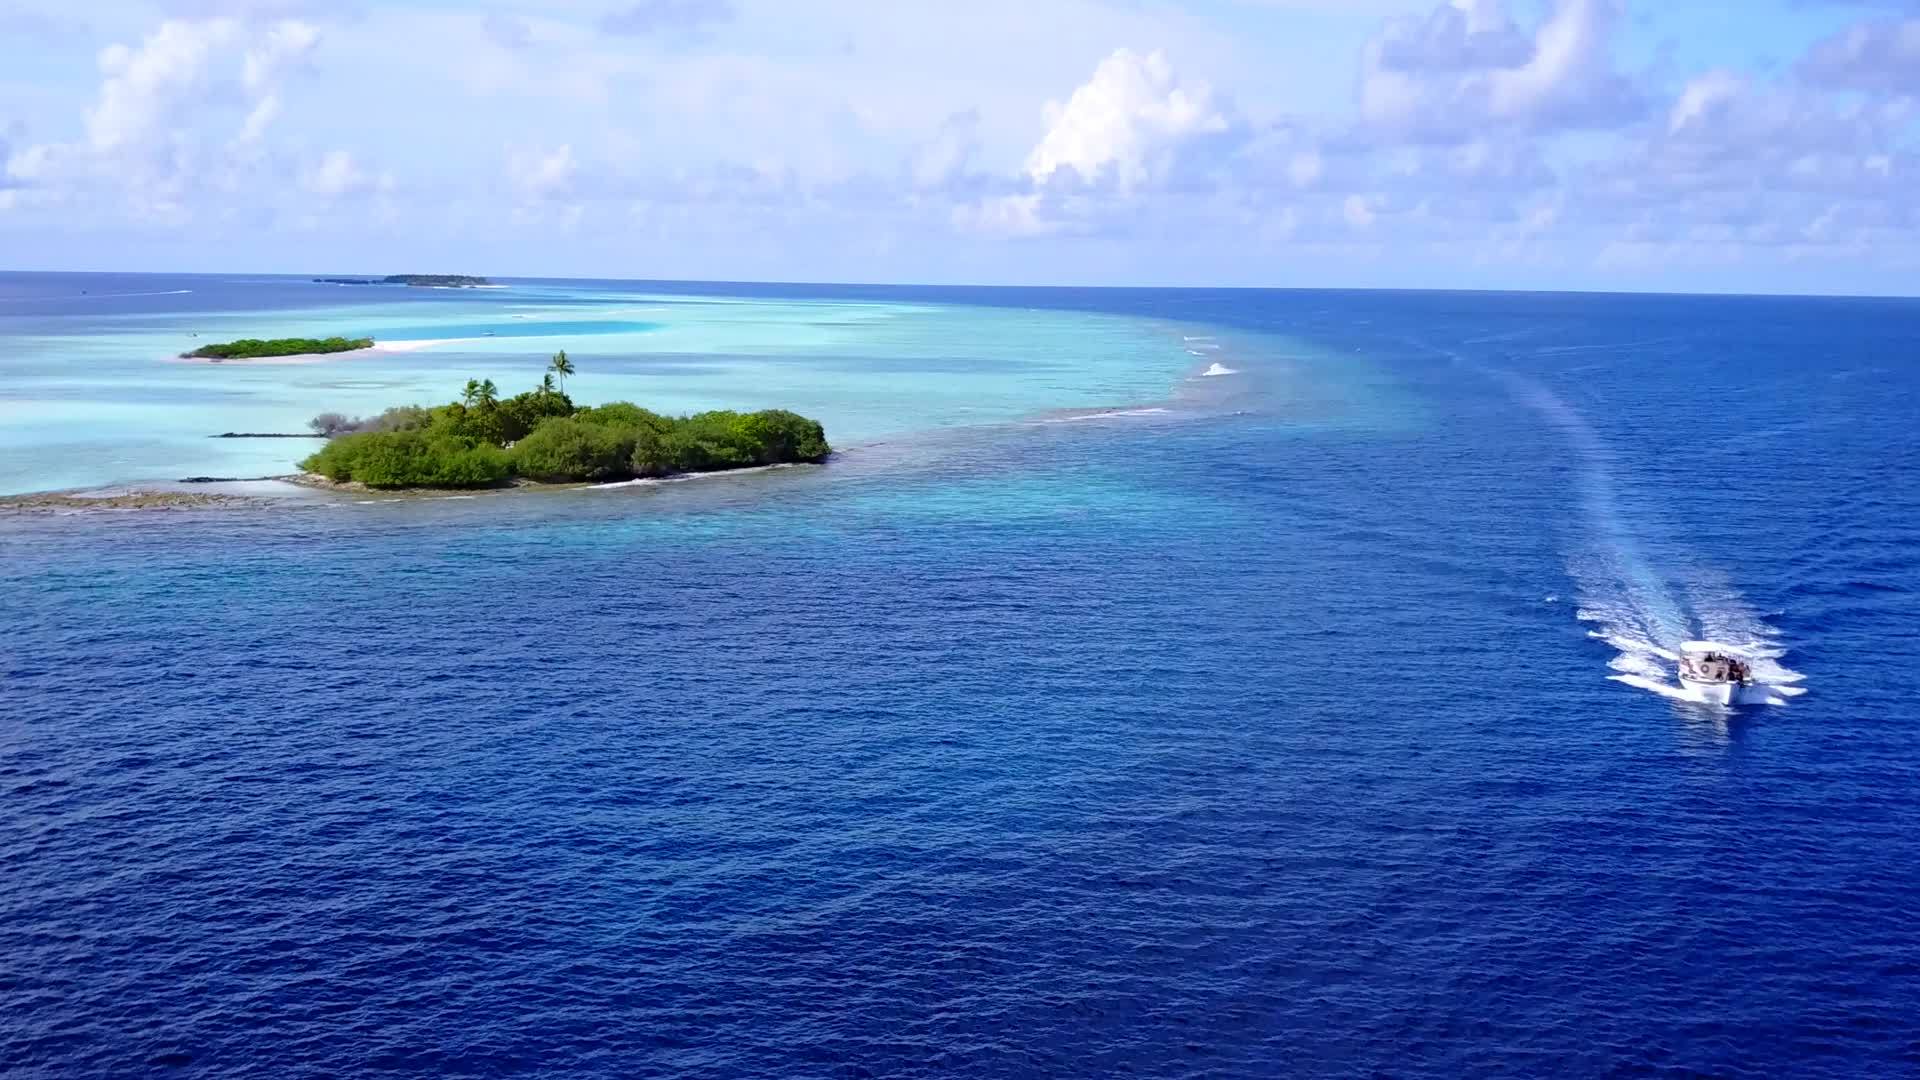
546	385
562	367
486	394
471	393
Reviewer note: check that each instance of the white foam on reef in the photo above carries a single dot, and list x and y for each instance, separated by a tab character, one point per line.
1105	414
1645	606
1217	368
681	478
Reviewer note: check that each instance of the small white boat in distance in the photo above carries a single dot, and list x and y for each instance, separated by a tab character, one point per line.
1718	674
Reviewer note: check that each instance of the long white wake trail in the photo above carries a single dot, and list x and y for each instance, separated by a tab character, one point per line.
1645	612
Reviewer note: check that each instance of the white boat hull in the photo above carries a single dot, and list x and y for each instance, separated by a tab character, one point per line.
1723	693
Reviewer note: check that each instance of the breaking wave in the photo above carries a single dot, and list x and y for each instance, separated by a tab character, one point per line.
1105	414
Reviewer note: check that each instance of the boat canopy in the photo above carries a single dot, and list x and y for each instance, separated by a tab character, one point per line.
1711	647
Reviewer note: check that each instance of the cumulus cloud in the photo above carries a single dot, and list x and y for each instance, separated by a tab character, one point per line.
947	157
1468	36
143	86
1473	133
178	128
1131	128
1740	164
1724	116
1127	125
667	16
1879	57
542	174
1466	68
1007	215
507	31
337	174
155	92
1359	211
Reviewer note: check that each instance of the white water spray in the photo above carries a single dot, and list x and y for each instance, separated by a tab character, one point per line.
1644	612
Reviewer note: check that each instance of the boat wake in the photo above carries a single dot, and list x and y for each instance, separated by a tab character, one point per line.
97	296
1646	604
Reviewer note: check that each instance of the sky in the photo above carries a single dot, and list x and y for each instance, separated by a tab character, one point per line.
1679	145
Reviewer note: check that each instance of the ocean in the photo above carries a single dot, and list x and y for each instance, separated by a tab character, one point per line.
1086	715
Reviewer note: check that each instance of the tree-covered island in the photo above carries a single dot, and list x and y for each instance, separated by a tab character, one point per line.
484	440
256	348
423	281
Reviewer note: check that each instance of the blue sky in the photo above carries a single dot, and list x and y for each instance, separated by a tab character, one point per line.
1763	146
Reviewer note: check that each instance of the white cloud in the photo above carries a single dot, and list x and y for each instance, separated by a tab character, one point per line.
1130	128
950	153
667	16
1306	167
177	130
1008	215
1881	56
150	90
1359	212
543	175
336	174
1466	68
148	119
1703	99
145	87
1125	124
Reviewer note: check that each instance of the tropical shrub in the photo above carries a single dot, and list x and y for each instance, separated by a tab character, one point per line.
564	449
540	435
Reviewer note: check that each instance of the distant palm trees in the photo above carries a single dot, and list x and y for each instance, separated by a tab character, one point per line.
479	393
562	367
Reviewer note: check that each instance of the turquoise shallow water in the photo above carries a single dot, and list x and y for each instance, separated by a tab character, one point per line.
90	395
1109	720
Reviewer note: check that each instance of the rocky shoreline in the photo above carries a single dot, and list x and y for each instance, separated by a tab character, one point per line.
119	499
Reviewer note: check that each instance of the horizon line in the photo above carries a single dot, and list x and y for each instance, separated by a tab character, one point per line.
1722	294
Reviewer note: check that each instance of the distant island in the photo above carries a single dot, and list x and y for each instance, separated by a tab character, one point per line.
255	348
423	281
484	440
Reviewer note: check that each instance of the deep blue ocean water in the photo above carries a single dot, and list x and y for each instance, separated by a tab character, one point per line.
1279	735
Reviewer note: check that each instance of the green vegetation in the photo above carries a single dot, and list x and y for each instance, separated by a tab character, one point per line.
484	440
398	418
253	348
436	281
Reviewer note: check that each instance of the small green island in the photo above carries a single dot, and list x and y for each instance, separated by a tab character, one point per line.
256	348
484	440
418	281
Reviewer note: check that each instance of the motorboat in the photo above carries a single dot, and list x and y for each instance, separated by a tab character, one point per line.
1717	673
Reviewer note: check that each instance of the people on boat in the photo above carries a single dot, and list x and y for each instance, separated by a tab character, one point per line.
1716	667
